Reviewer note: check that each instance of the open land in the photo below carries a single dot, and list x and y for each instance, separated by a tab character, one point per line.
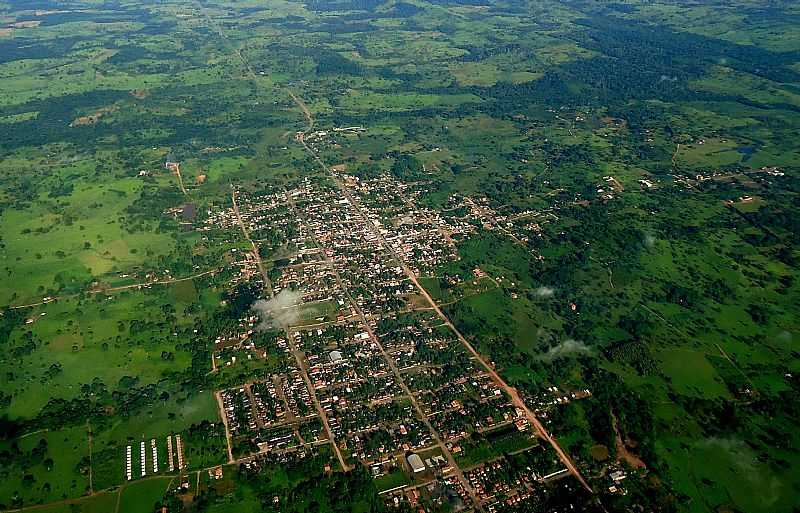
383	256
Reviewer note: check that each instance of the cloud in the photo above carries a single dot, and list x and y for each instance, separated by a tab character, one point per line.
566	348
544	291
758	478
280	311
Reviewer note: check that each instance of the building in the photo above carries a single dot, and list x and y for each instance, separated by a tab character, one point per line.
416	463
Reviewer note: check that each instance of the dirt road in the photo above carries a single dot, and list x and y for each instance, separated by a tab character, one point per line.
109	290
224	417
364	321
177	168
513	394
299	358
256	254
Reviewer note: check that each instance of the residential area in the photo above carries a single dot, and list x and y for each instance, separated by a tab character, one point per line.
368	363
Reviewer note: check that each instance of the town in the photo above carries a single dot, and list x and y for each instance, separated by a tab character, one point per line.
369	365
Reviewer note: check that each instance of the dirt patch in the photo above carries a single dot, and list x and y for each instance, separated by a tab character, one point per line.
140	94
66	341
26	24
616	184
45	13
6	32
614	122
339	168
216	149
418	301
92	118
623	453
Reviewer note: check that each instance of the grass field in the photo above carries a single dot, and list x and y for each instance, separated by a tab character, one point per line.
669	290
100	503
63	246
165	418
389	481
691	373
82	342
495	446
142	496
56	474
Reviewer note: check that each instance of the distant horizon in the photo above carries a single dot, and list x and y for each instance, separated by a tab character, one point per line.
399	256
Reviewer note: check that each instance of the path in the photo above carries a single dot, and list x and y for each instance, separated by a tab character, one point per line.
89	435
675	158
733	364
119	496
177	168
118	289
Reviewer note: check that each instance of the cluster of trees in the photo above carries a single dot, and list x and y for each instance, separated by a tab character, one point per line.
407	168
14	461
633	412
657	48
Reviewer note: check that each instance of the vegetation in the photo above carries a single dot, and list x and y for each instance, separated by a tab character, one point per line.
670	291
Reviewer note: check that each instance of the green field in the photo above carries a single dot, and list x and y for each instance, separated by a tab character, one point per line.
53	473
142	496
624	173
75	344
390	481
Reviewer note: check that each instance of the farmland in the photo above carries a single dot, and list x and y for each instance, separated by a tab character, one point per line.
493	256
